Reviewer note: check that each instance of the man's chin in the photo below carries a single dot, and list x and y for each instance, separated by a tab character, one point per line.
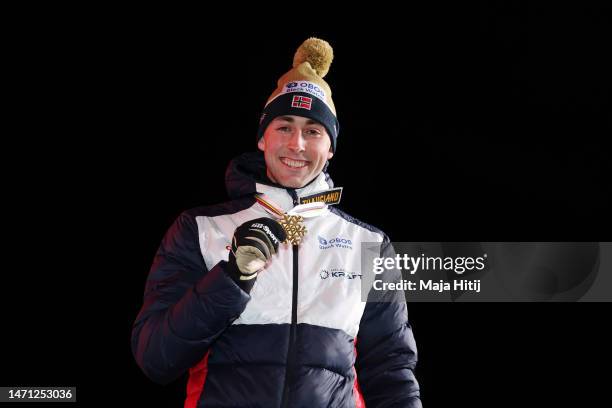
292	182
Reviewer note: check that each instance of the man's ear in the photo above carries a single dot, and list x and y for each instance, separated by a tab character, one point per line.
262	144
330	154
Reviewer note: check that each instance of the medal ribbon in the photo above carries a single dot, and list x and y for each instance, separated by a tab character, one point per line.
292	221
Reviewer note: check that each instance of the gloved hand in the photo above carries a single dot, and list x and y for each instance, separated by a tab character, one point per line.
253	244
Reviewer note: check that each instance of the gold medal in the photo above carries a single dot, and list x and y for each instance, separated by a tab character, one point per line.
292	224
294	228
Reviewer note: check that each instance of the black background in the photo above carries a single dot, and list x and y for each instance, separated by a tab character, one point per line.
457	123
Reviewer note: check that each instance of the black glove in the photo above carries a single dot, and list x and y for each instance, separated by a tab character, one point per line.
253	244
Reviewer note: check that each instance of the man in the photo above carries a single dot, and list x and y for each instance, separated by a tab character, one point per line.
259	298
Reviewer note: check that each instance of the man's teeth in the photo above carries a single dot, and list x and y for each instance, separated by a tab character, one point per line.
293	163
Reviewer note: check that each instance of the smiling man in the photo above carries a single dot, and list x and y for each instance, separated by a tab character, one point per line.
296	149
240	294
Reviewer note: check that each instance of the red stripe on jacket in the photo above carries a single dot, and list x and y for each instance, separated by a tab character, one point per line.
195	384
359	402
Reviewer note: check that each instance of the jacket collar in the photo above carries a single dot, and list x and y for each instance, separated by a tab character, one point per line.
246	174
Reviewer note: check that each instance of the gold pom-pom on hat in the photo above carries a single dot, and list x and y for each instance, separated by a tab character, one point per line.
318	53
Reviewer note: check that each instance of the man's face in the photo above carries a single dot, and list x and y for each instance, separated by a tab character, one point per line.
296	149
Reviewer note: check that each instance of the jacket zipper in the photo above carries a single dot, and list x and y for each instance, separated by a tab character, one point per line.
293	328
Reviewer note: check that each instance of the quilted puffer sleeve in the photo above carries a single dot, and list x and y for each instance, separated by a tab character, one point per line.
386	350
186	306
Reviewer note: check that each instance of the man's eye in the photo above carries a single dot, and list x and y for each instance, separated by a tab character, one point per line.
313	132
284	129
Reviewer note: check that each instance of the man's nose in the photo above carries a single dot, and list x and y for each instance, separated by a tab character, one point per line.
296	142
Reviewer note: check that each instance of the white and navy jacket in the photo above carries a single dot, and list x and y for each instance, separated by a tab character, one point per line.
301	337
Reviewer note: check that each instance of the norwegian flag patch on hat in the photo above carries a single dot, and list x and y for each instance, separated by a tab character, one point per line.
303	102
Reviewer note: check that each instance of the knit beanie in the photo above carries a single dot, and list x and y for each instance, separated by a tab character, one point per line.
302	90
